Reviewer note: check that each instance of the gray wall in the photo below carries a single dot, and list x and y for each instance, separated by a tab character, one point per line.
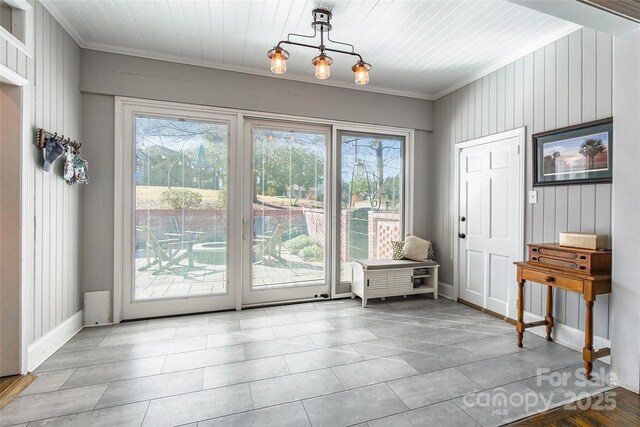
625	298
54	235
564	83
105	75
113	74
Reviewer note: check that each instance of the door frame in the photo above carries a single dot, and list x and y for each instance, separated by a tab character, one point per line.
124	212
26	185
246	201
242	115
520	133
408	178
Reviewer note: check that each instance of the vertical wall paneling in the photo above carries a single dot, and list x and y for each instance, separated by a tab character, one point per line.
478	109
509	96
493	102
485	106
53	272
565	83
562	82
604	49
471	128
589	77
464	114
501	100
575	77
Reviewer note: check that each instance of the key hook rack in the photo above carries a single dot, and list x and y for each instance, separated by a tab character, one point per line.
66	142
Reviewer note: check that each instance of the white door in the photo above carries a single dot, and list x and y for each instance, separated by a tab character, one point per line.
489	219
286	231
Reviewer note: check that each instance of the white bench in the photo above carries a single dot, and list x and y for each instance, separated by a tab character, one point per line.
387	278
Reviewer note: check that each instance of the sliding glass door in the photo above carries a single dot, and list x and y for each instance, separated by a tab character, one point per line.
286	212
180	224
371	196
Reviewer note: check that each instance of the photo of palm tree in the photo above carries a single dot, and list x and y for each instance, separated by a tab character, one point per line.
589	153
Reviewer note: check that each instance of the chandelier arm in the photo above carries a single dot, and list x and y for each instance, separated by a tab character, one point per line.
315	32
353	49
319	48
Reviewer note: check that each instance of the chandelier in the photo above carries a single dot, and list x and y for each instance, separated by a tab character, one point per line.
321	23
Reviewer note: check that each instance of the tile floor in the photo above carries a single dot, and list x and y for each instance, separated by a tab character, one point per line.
396	363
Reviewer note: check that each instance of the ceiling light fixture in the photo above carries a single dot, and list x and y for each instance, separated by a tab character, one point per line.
321	23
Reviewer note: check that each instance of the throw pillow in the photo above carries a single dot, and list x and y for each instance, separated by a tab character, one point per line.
415	248
431	254
397	249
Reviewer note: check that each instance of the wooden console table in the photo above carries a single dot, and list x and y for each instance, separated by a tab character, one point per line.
589	285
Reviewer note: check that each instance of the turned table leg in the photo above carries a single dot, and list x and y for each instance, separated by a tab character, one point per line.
549	317
520	321
587	351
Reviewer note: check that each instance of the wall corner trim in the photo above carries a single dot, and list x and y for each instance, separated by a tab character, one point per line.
42	349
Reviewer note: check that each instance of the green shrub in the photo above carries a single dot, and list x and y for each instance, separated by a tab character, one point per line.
181	198
312	253
291	232
298	243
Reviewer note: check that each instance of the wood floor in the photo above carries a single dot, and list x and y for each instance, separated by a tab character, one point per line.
625	413
11	386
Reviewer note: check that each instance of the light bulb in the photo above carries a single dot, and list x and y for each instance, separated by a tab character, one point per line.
362	72
322	69
278	58
322	64
278	63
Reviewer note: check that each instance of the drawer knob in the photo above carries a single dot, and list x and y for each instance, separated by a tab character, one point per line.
534	249
583	257
550	279
535	258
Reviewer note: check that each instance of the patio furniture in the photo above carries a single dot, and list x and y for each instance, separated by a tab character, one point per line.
167	252
271	245
177	232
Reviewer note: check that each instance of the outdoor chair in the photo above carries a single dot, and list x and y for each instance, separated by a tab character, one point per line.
271	245
167	252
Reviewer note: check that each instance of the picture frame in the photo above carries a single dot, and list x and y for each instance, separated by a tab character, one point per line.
579	154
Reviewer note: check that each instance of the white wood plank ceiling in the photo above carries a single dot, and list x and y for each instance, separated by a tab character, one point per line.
417	48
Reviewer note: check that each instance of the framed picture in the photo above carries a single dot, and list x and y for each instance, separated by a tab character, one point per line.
574	155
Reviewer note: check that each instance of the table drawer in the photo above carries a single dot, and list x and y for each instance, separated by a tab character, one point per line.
553	279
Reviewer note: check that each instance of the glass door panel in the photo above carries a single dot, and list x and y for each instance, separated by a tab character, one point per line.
370	199
180	223
181	215
288	218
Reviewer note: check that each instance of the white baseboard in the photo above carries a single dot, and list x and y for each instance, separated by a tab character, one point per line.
40	350
568	336
445	290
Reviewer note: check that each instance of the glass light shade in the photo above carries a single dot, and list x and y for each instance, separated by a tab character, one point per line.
361	69
362	75
278	63
322	63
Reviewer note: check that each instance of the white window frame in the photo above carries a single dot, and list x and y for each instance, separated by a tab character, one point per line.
23	40
235	232
408	194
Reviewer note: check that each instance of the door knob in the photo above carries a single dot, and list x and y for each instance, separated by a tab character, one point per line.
462	235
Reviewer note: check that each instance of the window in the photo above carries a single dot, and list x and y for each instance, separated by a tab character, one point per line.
371	198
